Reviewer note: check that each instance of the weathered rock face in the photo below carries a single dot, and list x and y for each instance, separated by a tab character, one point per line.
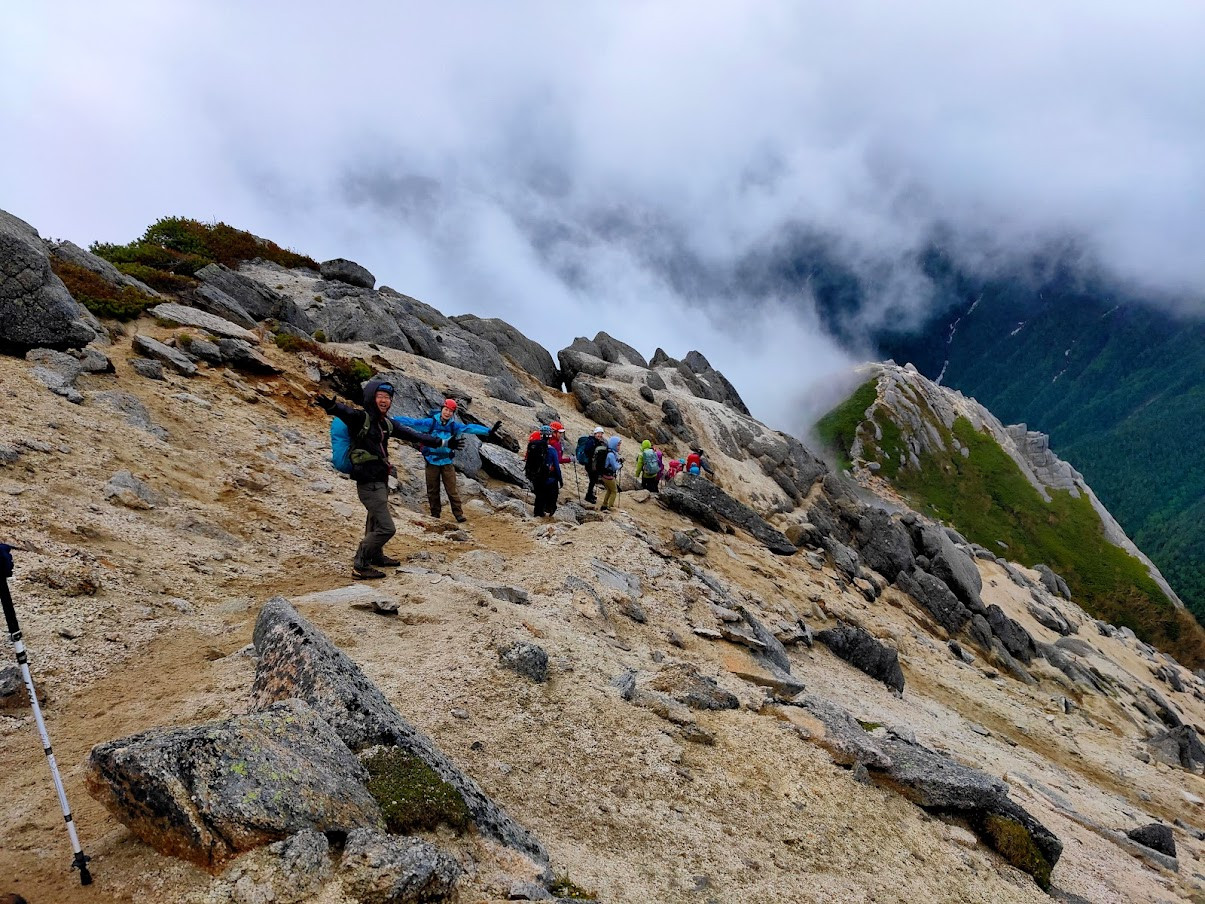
949	563
1013	636
884	543
1181	747
216	302
383	869
36	310
502	464
297	660
153	348
259	301
701	500
202	320
207	792
343	270
861	650
947	610
936	782
846	741
529	355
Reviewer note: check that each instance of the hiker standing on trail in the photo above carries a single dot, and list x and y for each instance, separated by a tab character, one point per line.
648	467
439	457
592	445
609	473
558	441
370	429
543	469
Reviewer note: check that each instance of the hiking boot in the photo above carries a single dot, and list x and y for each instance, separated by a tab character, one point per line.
366	573
386	562
461	518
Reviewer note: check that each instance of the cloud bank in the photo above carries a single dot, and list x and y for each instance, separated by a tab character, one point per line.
646	169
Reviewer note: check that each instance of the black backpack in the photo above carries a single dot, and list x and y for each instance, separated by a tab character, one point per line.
600	458
536	468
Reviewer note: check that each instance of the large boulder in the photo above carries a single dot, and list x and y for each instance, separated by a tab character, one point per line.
259	301
502	464
1012	634
215	301
345	271
613	351
295	659
861	650
936	782
840	734
884	543
36	310
945	608
701	500
202	320
510	343
207	792
949	563
153	348
1180	747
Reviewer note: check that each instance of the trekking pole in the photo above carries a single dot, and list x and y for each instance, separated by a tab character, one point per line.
14	632
577	481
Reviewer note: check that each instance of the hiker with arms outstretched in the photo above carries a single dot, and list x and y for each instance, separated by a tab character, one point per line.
443	425
371	428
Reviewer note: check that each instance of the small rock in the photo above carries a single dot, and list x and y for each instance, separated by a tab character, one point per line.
145	367
526	659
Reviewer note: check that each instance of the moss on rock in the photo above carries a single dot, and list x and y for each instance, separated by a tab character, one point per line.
411	794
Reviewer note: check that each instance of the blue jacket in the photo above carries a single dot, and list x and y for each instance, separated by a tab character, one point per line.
613	463
440	455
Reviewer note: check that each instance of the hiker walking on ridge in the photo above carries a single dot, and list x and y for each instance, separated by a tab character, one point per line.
370	429
543	469
648	467
588	446
609	473
445	427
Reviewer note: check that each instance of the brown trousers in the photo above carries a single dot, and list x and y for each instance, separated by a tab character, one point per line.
447	474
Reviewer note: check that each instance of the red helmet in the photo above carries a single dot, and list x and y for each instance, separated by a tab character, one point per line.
535	435
557	427
450	403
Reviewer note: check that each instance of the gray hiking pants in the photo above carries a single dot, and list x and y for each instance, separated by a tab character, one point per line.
378	526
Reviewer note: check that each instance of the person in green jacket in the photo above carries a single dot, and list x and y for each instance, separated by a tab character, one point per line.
648	467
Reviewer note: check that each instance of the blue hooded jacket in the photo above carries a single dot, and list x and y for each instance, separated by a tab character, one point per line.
440	455
613	463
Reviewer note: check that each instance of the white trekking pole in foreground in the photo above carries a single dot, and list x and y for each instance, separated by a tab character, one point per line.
14	632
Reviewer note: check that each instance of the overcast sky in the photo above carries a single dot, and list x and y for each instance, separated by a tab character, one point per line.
572	167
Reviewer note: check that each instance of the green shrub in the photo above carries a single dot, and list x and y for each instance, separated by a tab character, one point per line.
173	249
184	340
289	343
100	297
319	336
411	795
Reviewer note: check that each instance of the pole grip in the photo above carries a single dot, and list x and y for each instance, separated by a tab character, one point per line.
10	614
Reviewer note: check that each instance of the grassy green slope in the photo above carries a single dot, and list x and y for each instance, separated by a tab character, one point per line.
987	499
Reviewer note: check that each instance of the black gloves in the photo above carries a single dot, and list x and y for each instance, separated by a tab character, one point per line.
456	442
494	429
326	403
6	560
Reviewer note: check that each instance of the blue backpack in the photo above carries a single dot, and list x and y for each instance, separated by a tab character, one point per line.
585	446
341	458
